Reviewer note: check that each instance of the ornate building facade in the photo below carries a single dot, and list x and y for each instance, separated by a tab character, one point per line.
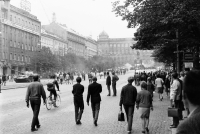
119	49
20	38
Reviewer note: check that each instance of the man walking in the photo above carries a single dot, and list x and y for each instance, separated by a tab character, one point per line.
94	91
175	97
191	97
114	81
128	98
77	91
108	83
34	92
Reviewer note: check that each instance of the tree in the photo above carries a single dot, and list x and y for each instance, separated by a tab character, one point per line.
162	24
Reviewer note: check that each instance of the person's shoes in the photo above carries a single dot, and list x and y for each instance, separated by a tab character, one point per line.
173	126
78	122
143	132
95	123
114	95
108	95
129	132
34	129
147	129
38	126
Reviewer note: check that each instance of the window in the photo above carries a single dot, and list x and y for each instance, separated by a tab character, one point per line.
22	46
11	56
10	17
22	57
15	57
11	43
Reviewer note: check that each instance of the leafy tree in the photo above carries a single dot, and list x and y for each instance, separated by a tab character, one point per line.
162	24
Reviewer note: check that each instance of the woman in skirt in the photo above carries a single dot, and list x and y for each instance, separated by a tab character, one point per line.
144	104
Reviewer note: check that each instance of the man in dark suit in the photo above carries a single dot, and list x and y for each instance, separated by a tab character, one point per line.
34	93
77	91
191	91
128	98
115	78
94	91
108	83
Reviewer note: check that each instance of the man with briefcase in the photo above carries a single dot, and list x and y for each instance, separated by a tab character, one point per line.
175	99
127	98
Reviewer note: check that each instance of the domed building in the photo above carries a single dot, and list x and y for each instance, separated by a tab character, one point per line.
119	49
103	36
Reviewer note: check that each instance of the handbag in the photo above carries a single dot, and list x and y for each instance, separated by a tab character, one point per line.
121	116
173	112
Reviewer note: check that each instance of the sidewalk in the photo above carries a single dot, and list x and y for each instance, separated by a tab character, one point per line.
13	85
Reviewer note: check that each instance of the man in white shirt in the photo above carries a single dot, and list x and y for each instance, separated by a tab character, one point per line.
175	97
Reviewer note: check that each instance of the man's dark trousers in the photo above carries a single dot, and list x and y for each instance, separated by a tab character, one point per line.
108	86
79	107
114	88
35	105
176	119
95	110
129	110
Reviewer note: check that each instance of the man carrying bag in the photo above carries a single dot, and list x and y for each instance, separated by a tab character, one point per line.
127	98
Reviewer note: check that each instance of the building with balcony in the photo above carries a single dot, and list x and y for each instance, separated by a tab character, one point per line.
56	44
91	47
20	38
76	42
119	49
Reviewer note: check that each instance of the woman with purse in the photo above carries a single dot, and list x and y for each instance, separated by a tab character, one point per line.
144	104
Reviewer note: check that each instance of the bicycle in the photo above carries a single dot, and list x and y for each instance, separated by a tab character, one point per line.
50	102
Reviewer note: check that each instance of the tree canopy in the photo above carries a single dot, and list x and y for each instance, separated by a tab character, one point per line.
45	62
162	24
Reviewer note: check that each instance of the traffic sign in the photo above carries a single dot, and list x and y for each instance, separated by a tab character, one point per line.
188	56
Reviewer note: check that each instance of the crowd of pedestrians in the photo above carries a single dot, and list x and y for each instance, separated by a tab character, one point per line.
182	91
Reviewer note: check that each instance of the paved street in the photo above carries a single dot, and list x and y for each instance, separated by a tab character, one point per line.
15	117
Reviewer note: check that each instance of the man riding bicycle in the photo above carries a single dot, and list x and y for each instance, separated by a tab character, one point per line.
51	88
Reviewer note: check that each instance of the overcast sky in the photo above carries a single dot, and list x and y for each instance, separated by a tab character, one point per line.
87	17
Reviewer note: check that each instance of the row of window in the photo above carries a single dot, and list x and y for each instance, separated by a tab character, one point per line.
20	58
25	22
115	45
79	39
16	35
23	46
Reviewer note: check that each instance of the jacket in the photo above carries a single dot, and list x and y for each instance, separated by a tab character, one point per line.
191	125
35	91
175	90
94	91
77	91
115	78
108	80
144	99
128	95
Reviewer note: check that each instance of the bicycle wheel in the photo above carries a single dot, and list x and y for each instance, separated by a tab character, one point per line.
48	103
58	101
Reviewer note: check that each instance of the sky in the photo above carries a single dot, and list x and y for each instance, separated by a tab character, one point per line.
87	17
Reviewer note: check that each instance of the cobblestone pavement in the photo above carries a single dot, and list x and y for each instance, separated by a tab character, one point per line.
15	118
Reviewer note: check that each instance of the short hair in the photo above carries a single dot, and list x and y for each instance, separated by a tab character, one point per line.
130	79
107	73
94	78
191	87
182	73
113	73
78	79
175	75
35	77
144	85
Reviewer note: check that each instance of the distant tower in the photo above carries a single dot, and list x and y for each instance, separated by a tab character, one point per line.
54	18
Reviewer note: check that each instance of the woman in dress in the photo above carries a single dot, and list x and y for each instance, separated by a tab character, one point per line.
144	104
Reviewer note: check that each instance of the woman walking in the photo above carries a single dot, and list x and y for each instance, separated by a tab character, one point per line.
144	104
